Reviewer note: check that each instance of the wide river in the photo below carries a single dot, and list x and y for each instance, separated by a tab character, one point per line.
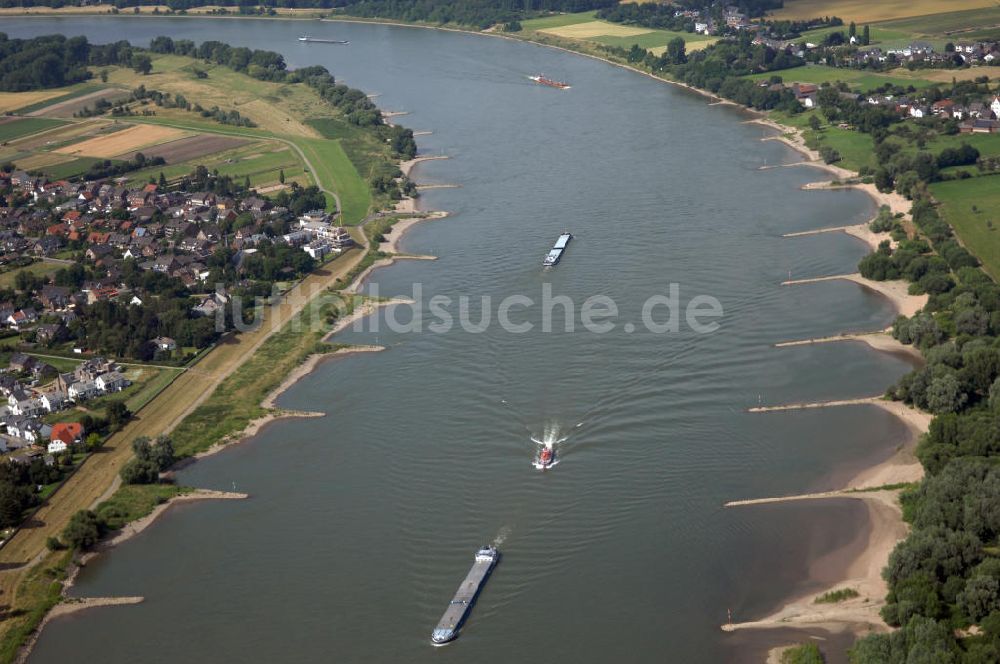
361	524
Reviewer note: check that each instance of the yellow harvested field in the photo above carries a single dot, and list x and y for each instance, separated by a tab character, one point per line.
10	101
592	29
120	142
945	75
866	11
689	46
41	160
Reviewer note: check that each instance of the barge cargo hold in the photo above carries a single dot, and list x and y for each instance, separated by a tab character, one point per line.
458	610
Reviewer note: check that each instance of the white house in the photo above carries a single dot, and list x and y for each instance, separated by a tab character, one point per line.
317	249
28	408
83	390
56	446
995	106
111	382
53	401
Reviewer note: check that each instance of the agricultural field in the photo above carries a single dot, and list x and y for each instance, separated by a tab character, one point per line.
13	128
11	101
944	24
284	113
41	151
584	27
972	207
68	93
866	11
261	161
66	108
134	138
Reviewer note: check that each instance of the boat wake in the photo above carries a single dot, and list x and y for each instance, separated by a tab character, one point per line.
546	456
501	537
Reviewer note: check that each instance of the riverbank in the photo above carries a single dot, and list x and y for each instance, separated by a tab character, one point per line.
69	605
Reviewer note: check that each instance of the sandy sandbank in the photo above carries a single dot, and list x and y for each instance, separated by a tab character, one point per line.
399	229
887	528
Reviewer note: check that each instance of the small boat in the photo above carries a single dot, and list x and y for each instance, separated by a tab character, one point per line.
546	458
542	80
318	40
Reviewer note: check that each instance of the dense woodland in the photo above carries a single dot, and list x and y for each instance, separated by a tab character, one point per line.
52	61
946	574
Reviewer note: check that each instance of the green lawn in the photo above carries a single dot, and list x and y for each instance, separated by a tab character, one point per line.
557	21
39	269
653	39
69	169
957	199
336	172
19	127
877	33
855	148
858	80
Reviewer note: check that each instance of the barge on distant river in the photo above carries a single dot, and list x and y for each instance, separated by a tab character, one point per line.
319	40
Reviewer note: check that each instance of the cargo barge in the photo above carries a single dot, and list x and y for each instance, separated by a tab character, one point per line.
555	254
319	40
458	610
542	80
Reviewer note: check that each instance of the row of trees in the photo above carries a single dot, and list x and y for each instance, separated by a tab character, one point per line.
474	13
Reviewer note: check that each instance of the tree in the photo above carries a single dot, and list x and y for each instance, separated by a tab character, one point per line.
852	30
162	453
140	471
944	394
83	530
162	183
142	64
117	414
281	176
883	180
814	123
866	36
676	51
828	154
980	597
246	183
104	76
